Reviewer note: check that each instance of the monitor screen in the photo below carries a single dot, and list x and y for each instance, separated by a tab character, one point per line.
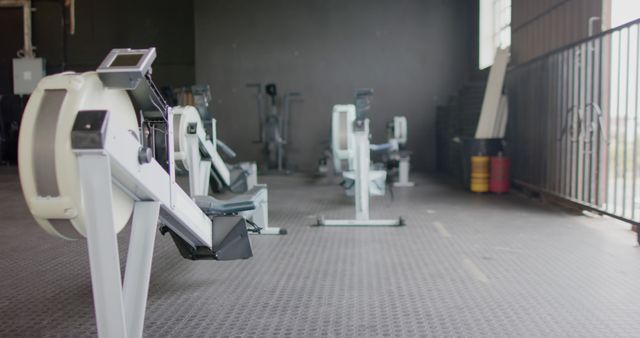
126	60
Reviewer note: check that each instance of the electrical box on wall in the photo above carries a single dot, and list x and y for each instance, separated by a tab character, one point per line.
26	74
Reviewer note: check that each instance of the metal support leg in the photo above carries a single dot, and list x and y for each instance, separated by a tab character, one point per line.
362	175
403	173
119	310
260	216
138	270
95	177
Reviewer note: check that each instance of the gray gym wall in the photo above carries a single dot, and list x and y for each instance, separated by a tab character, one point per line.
413	53
101	26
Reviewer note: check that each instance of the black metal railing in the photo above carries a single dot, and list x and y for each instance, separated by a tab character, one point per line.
573	122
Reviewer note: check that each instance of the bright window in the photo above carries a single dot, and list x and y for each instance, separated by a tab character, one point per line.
495	29
623	11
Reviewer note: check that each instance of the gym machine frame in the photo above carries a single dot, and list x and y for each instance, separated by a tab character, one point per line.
110	154
361	166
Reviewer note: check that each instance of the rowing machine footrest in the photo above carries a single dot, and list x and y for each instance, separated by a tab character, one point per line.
230	241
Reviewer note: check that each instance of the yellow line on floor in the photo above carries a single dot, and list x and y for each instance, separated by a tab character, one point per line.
474	270
441	229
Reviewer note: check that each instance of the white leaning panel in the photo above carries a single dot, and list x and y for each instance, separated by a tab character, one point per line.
47	165
492	95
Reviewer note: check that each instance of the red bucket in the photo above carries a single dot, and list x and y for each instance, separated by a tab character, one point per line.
499	179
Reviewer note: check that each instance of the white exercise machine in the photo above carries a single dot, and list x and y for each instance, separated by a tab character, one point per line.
274	115
343	151
397	140
86	168
343	147
197	154
360	162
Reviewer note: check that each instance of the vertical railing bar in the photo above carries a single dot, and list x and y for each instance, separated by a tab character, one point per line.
553	117
575	142
600	128
535	130
567	169
576	120
542	131
580	130
626	116
635	127
593	167
586	182
593	171
568	112
533	127
559	114
527	131
565	145
593	190
578	123
532	149
522	118
577	100
597	98
544	124
549	120
524	132
560	140
588	125
526	100
605	103
518	122
574	106
615	154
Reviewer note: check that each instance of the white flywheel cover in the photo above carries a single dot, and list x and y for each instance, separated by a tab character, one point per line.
48	166
182	117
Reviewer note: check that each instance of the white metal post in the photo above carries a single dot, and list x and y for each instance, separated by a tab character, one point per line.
362	174
199	170
193	159
138	270
252	179
403	173
95	178
171	158
260	215
205	176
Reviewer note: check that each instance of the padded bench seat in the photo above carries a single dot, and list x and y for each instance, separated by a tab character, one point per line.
247	201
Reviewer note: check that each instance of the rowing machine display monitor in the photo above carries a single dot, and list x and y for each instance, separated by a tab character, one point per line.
125	68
